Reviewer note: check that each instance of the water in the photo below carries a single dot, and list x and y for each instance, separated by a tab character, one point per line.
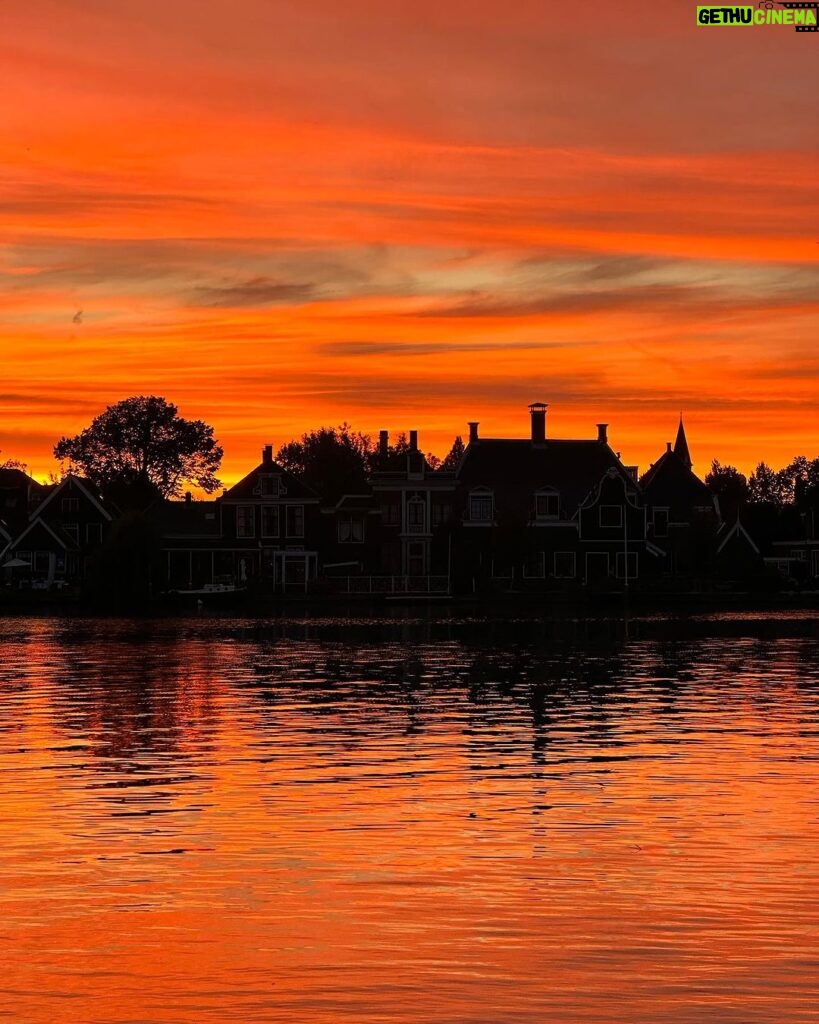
237	821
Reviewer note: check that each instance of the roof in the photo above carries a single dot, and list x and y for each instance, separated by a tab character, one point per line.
86	488
681	446
517	468
672	483
185	518
247	490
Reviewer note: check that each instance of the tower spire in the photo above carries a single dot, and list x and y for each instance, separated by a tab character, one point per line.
681	446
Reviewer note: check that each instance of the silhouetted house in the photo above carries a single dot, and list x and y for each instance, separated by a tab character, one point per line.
351	537
63	531
683	514
793	547
190	552
542	511
415	505
738	557
19	493
270	527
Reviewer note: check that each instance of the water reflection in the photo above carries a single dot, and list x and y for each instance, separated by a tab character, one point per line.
450	821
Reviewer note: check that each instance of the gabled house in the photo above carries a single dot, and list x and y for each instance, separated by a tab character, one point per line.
683	514
270	525
415	504
19	493
63	531
530	509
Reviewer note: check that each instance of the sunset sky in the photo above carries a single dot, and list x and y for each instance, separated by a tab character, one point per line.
279	215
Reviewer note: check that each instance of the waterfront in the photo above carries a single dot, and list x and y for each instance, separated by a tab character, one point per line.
409	821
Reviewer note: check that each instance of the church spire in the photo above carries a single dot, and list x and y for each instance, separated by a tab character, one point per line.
681	446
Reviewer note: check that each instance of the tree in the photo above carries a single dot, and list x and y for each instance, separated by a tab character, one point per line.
13	464
453	457
144	442
765	486
730	487
332	460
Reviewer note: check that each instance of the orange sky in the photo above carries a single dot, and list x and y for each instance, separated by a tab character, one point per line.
279	215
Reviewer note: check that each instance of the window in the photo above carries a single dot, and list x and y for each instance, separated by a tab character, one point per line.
93	533
799	554
270	520
611	515
391	513
416	515
547	505
245	521
269	485
440	513
630	559
351	528
70	506
565	565
24	556
660	522
295	520
481	507
73	531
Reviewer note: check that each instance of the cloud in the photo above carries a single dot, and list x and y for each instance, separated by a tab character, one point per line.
255	292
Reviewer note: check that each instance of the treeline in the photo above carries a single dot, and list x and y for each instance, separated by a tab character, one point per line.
794	486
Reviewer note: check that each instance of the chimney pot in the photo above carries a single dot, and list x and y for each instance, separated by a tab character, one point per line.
383	443
603	433
413	440
473	432
267	454
537	410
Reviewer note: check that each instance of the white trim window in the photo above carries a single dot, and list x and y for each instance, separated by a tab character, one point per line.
350	528
416	514
565	565
481	506
294	520
269	485
245	521
270	521
547	505
611	517
69	506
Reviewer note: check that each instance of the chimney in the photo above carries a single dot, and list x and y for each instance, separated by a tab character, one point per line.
188	497
633	472
267	454
473	432
668	446
383	444
537	411
413	440
602	433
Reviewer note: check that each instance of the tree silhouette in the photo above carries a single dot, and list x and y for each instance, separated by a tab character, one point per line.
453	456
730	487
13	464
143	442
332	460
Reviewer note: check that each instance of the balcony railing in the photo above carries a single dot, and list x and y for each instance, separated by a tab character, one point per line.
391	584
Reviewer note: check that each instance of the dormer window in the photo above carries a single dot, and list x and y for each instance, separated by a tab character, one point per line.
481	506
547	505
269	485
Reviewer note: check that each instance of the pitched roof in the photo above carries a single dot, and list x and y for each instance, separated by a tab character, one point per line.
517	468
672	483
681	446
247	490
85	488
